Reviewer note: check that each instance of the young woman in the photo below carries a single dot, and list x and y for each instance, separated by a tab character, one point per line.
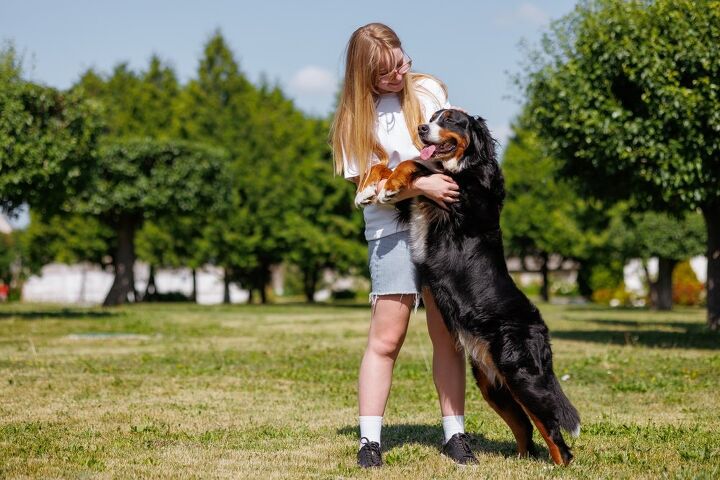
381	105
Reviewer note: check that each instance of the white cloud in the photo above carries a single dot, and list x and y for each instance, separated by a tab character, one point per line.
312	80
525	13
532	14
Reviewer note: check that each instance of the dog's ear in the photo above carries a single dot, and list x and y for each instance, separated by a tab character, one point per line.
485	158
482	139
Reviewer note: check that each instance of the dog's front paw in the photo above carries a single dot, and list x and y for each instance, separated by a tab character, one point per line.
366	196
387	196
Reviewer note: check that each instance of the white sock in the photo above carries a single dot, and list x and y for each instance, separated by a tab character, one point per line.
370	427
453	424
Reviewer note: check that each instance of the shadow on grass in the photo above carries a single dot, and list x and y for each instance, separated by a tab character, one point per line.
65	314
432	435
691	335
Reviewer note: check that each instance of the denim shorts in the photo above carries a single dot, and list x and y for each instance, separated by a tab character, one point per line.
392	270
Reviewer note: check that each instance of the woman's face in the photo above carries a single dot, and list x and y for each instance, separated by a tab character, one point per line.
391	76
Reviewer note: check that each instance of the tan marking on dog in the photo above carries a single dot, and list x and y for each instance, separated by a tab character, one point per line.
479	350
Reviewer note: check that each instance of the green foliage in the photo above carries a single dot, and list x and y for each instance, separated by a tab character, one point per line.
167	157
540	213
323	229
64	238
285	204
135	104
653	234
543	213
627	93
607	276
146	178
47	140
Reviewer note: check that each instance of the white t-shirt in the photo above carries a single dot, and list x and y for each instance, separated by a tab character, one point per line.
393	135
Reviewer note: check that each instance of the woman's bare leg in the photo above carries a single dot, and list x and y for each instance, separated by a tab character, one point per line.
448	361
388	325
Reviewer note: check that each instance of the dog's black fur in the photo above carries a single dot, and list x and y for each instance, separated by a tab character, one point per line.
459	253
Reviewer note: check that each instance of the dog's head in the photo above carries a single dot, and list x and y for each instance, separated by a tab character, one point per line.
462	142
456	139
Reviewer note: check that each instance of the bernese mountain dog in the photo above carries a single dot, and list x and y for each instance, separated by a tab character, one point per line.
459	253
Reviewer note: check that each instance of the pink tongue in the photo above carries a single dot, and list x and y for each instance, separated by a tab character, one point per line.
427	152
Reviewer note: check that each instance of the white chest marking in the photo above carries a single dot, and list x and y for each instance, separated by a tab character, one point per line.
418	234
452	165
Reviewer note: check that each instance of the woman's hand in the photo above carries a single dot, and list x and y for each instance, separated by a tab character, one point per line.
439	188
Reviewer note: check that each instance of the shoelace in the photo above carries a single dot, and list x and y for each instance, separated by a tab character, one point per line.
465	444
374	447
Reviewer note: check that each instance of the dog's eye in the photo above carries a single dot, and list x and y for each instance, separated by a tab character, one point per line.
449	120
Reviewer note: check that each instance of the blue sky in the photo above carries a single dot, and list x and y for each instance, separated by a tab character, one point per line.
471	45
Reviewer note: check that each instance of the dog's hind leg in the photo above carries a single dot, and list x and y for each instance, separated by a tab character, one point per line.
541	407
501	400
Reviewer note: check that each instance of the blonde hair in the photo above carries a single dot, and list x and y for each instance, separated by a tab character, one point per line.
354	124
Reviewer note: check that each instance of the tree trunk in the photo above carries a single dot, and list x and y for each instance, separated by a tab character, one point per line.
545	287
310	279
583	279
226	286
652	286
712	223
193	295
263	279
151	288
663	285
124	260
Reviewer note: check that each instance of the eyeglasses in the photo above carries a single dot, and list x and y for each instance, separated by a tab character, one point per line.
401	70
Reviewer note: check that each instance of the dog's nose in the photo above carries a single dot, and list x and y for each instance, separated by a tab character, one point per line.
423	129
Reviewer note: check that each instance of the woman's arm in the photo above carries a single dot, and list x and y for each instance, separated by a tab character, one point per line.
437	187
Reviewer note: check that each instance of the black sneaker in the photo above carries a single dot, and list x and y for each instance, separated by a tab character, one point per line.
458	449
369	454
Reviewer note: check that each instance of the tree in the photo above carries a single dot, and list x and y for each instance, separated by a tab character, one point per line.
47	140
323	230
652	234
172	242
628	95
143	173
259	128
539	216
64	238
146	179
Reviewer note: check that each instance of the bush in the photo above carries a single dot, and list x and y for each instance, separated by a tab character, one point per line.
686	288
606	276
166	297
344	294
615	297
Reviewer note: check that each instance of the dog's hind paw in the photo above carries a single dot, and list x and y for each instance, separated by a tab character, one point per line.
366	196
387	196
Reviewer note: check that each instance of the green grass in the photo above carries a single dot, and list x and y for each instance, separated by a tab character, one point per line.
270	392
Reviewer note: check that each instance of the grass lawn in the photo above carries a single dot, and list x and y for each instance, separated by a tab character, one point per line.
181	391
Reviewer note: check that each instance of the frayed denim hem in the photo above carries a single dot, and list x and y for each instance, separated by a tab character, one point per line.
373	298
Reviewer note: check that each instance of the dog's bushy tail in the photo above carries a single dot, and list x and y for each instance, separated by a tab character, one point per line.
567	414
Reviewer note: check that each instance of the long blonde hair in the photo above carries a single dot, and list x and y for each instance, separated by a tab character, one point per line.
353	128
